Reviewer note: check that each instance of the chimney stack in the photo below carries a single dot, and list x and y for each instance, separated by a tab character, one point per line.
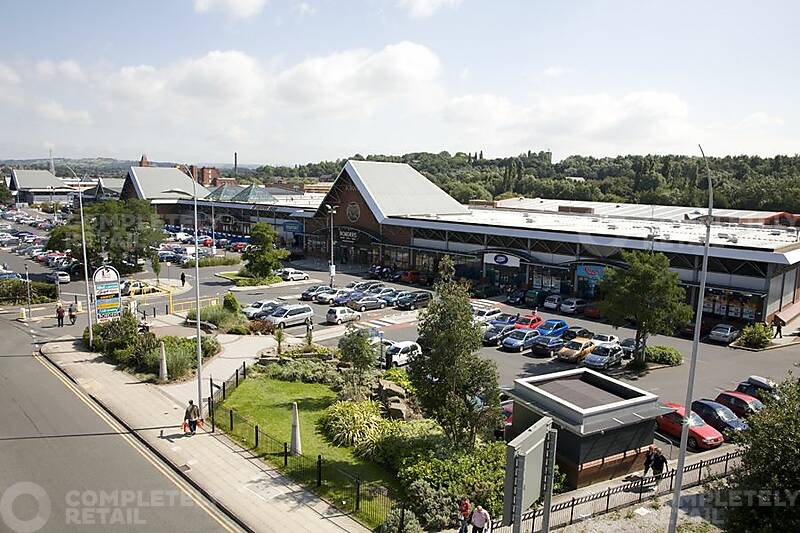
235	164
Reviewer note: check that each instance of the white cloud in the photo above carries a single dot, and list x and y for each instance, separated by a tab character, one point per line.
8	75
426	8
235	9
55	111
68	69
304	8
554	71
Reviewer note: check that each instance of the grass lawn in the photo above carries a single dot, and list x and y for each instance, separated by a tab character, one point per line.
268	403
233	276
246	281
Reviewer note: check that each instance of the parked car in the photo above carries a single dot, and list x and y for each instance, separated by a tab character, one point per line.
575	350
485	314
339	315
701	435
705	327
495	334
166	255
604	357
743	405
519	339
379	290
313	291
329	296
291	274
724	333
552	302
546	345
604	339
528	322
60	276
629	347
344	299
414	300
251	310
504	319
409	276
131	287
535	297
591	311
10	275
719	417
516	297
577	331
573	306
553	327
400	353
290	315
391	298
762	388
366	303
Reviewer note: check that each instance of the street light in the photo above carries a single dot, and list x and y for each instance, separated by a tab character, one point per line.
698	315
28	283
85	262
193	195
332	267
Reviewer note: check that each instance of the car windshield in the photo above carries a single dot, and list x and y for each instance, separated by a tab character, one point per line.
550	324
756	404
393	349
494	330
628	342
519	335
695	421
603	338
725	414
574	345
601	351
279	312
721	329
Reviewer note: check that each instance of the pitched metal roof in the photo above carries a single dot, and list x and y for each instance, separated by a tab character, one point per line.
35	179
225	192
397	189
114	184
254	194
151	182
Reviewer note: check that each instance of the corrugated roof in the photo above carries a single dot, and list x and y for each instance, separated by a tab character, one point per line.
225	192
151	182
35	179
114	184
397	189
254	194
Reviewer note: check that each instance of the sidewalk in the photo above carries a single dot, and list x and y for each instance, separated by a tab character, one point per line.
260	496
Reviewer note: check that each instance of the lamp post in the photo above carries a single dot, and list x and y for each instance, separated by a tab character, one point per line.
193	195
698	315
28	283
331	266
213	237
85	262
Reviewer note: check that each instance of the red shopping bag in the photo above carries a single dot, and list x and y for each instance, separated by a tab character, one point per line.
200	423
185	427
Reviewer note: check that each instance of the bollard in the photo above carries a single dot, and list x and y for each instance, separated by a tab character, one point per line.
319	471
230	415
211	412
244	370
223	390
285	454
256	436
358	493
237	377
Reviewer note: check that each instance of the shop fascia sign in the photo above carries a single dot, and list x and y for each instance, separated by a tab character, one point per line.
501	259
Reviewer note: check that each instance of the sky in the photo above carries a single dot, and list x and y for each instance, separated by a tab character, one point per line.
295	81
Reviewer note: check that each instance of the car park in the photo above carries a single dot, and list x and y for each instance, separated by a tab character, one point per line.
485	314
414	300
719	417
329	296
701	435
604	357
724	333
346	297
290	315
504	319
743	405
391	298
378	291
495	334
311	292
259	306
575	350
758	387
577	331
167	255
605	339
528	322
553	328
573	306
340	315
546	345
366	303
60	277
552	302
400	354
291	274
519	340
629	347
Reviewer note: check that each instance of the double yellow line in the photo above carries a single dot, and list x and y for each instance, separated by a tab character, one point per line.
139	447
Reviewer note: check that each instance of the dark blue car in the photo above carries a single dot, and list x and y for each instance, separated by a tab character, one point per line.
504	319
546	345
719	417
553	328
343	299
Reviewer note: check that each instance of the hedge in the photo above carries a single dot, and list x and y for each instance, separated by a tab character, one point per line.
756	336
213	262
663	355
15	292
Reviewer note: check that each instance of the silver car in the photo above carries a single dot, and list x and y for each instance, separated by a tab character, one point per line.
290	315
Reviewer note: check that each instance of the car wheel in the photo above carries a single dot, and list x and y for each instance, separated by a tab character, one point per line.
413	307
692	442
383	305
280	325
339	322
362	308
305	277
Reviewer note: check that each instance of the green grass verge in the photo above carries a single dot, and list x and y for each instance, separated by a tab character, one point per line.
214	261
268	403
247	281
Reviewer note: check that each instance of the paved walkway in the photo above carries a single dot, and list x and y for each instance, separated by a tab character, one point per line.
258	495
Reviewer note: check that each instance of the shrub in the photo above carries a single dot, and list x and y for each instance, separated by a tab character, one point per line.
230	303
399	376
305	349
664	355
434	507
260	326
756	336
213	262
239	329
304	370
114	335
15	291
252	282
402	443
348	423
409	523
220	316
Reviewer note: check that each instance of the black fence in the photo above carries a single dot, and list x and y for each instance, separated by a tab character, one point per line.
368	502
576	509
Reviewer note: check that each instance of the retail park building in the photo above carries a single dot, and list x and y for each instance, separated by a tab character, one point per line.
389	213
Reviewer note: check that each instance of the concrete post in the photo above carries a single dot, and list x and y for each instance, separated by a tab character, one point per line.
296	446
162	371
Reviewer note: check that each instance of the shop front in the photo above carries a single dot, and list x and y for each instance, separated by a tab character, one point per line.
733	305
356	246
587	278
550	279
503	270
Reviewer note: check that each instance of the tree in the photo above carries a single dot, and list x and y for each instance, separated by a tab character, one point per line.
454	386
356	350
279	335
770	467
5	195
646	293
156	264
263	257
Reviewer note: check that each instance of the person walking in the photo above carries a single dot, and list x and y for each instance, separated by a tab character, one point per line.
659	465
191	416
464	510
60	316
72	314
778	323
648	459
183	279
481	522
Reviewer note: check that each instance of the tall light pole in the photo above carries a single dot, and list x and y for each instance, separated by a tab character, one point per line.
28	283
213	238
193	194
331	266
698	315
85	262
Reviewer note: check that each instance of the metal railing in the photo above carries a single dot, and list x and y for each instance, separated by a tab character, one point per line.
367	502
581	508
181	306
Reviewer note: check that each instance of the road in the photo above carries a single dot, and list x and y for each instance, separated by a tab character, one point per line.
67	468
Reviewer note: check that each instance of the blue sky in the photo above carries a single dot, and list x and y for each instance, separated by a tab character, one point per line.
286	81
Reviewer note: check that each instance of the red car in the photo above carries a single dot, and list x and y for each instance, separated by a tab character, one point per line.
742	405
528	321
701	435
409	276
592	311
238	246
